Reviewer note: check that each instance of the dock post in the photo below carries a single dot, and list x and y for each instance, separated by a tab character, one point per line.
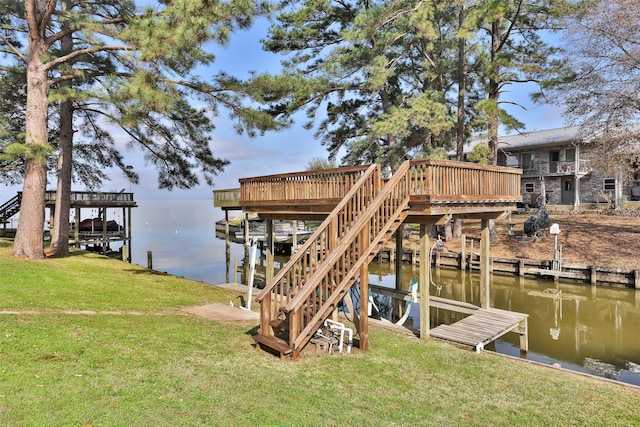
520	268
395	303
484	265
463	252
524	336
270	267
593	276
423	281
636	279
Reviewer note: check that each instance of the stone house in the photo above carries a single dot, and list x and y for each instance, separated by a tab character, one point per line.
556	163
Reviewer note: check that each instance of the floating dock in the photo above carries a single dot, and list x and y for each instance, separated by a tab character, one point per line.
483	327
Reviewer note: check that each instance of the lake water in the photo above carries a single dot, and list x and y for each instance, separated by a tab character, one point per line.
587	329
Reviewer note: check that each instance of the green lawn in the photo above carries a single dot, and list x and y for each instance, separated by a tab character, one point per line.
140	361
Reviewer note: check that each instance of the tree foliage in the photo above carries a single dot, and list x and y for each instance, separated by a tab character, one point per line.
130	66
602	47
405	79
320	163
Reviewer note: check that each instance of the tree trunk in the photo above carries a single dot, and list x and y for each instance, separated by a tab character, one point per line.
29	236
60	227
462	89
462	76
494	94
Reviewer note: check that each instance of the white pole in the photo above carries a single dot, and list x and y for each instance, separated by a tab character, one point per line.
252	270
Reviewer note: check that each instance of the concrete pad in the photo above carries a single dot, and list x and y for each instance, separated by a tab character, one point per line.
223	312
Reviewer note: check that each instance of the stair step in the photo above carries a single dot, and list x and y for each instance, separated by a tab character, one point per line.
273	344
280	324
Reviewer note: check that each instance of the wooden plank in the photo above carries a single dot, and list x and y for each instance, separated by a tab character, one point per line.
274	344
482	327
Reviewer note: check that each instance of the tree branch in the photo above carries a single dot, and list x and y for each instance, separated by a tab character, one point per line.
12	48
64	59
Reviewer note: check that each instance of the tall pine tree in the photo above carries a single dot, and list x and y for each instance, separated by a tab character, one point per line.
134	67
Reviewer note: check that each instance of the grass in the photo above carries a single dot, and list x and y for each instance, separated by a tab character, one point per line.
139	360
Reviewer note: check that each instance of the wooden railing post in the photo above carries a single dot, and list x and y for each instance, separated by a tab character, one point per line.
265	316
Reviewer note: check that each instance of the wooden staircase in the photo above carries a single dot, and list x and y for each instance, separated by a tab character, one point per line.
10	208
310	286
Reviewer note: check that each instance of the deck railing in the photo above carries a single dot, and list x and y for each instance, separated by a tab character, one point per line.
446	180
307	186
437	180
226	198
87	196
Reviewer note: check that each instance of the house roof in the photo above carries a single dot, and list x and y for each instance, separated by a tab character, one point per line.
539	138
530	139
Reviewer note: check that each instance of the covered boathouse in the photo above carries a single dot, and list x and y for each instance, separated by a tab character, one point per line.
100	230
360	211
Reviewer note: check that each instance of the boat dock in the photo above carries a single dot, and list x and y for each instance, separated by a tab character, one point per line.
484	326
481	327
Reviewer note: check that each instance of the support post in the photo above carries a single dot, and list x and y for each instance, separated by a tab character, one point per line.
398	264
423	281
294	236
364	294
76	229
129	226
463	252
521	268
104	231
269	268
484	265
149	260
227	241
636	279
396	304
524	336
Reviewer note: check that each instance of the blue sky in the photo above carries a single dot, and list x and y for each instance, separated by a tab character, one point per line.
276	152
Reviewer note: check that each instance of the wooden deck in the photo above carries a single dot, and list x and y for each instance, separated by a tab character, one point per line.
360	211
484	326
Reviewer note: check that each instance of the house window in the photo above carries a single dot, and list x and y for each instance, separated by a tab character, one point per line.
529	187
526	161
609	184
554	158
513	160
570	154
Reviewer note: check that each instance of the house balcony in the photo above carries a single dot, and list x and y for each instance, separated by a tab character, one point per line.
545	168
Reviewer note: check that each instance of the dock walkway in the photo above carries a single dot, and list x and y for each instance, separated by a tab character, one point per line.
483	327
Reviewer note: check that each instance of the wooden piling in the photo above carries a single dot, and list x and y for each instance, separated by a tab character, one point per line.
484	265
149	260
463	252
423	281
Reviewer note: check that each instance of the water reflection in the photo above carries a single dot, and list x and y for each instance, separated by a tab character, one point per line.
581	327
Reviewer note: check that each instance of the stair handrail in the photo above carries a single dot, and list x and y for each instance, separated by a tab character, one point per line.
11	203
317	247
364	235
